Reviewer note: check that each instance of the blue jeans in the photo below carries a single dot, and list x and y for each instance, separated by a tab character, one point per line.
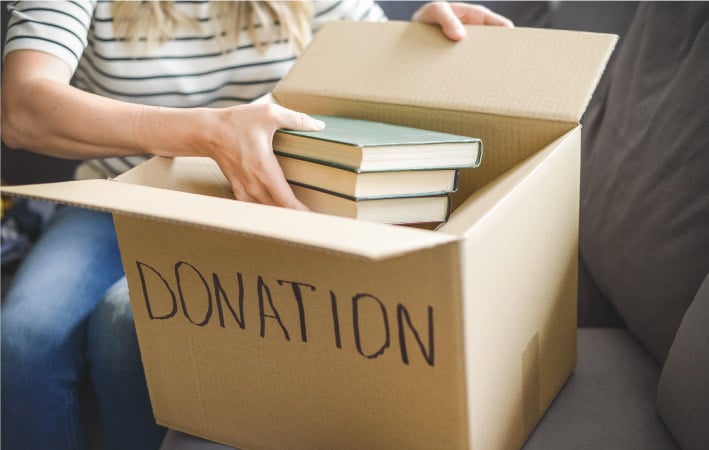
65	316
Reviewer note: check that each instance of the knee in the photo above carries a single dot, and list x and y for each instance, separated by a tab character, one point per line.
114	308
34	348
112	334
28	350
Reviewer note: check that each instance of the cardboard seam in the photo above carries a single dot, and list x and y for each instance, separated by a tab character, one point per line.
459	260
514	189
557	387
195	366
63	202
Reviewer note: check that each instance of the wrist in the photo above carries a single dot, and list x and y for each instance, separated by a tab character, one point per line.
173	131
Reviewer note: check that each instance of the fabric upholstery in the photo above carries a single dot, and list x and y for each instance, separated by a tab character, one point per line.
683	390
608	402
644	184
594	310
174	440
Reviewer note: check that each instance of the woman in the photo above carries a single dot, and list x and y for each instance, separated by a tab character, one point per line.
111	83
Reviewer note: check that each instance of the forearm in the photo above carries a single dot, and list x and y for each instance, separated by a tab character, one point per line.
53	118
41	112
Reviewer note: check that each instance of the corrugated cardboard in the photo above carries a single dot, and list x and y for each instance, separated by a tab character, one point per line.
361	335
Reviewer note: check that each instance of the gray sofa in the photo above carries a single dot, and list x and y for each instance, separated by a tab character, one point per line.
642	375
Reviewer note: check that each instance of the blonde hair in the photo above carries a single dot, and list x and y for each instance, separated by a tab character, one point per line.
265	22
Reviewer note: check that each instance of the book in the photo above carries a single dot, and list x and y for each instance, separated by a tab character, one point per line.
396	210
366	146
364	185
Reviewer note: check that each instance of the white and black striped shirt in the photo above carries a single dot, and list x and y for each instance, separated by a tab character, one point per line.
190	70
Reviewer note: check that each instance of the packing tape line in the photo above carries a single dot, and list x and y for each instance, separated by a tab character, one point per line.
531	386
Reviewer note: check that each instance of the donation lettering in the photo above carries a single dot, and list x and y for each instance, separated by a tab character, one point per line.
201	298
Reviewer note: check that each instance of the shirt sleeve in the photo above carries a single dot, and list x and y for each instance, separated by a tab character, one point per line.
360	10
59	28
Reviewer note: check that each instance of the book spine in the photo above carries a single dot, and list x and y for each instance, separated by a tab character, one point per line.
479	159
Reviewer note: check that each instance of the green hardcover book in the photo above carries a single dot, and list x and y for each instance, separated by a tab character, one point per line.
366	146
398	210
368	185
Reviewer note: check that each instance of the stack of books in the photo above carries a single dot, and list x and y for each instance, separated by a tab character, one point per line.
375	171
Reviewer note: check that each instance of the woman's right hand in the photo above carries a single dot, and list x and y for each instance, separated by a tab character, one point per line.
240	141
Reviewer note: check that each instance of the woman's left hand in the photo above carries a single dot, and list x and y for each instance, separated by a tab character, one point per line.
452	16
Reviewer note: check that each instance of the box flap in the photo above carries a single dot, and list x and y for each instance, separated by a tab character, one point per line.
197	175
520	72
484	202
329	233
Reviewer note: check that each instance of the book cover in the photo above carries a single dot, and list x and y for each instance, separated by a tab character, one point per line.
363	145
362	185
397	210
366	133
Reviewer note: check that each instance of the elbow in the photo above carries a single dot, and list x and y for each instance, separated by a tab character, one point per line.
14	134
9	130
10	135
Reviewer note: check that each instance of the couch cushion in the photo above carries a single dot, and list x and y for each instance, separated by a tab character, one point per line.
683	390
644	183
608	402
594	309
174	440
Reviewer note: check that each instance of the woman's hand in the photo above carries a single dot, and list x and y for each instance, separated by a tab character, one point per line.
79	125
241	144
452	16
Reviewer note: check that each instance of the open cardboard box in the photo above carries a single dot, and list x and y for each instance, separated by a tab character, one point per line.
265	328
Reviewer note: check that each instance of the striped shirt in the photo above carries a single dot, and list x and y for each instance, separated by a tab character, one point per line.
189	70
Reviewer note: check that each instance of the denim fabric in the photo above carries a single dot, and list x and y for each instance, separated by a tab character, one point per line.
117	374
48	314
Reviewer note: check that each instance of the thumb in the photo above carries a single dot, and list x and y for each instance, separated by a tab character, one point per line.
287	118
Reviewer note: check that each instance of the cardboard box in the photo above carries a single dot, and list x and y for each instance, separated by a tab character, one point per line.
268	328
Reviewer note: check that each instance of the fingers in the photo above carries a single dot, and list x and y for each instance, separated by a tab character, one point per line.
293	120
271	176
245	154
277	189
479	15
265	184
441	13
452	16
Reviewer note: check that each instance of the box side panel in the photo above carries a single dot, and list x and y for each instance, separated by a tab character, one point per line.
506	140
520	278
263	344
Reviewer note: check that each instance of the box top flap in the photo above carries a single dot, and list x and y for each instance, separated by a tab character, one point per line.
520	72
329	233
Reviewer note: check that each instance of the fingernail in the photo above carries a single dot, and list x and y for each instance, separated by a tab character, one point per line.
318	124
458	32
